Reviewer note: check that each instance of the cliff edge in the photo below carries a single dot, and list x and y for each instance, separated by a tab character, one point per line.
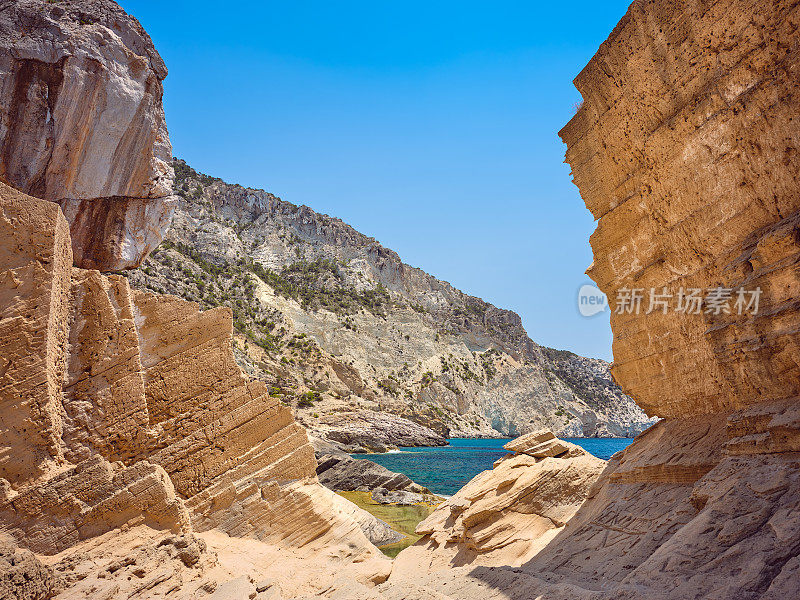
131	443
82	124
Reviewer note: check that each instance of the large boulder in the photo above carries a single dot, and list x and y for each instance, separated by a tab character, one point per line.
82	124
376	431
342	473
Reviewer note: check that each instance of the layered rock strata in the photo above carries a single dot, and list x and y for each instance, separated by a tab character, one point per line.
346	332
692	177
122	408
685	150
82	124
340	472
375	431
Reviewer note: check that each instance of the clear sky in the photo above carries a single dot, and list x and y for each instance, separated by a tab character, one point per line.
431	126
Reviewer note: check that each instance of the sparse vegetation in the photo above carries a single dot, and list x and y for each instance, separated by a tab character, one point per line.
308	399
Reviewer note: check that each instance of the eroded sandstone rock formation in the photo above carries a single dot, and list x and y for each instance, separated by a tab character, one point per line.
22	576
686	152
322	309
82	124
506	515
122	408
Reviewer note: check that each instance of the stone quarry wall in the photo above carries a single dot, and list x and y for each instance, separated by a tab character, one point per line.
685	150
123	408
82	124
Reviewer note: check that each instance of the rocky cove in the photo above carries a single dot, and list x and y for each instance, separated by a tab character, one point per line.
167	431
369	351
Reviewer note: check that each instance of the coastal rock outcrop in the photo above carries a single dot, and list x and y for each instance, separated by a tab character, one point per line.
340	472
82	124
506	515
122	410
685	150
375	431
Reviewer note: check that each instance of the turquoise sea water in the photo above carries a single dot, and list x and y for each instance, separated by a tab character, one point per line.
445	470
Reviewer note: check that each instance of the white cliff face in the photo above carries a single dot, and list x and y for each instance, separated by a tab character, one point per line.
344	326
82	123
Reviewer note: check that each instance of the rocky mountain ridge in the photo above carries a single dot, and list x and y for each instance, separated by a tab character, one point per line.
343	330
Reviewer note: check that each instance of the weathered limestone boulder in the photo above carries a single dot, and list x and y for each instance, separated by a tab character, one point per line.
402	497
503	516
541	444
341	472
82	124
375	431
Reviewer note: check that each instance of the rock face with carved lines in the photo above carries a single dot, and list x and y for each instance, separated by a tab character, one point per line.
686	151
82	124
691	174
124	408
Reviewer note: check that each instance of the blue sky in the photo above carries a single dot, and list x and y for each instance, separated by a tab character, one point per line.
431	126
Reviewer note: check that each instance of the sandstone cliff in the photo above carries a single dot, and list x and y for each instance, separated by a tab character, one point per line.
124	411
342	329
692	179
82	124
139	462
123	408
